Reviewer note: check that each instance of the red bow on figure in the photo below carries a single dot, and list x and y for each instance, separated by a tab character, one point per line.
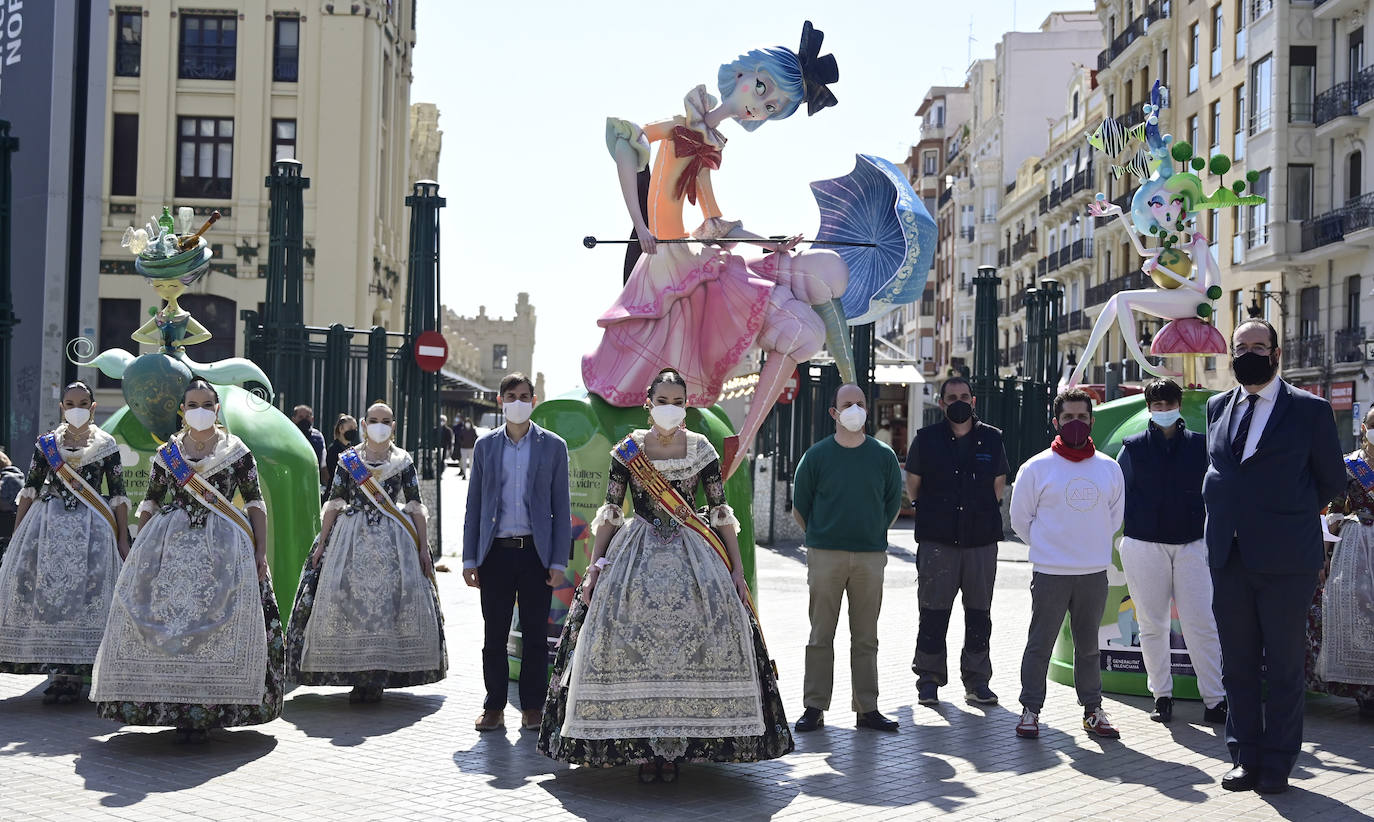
689	144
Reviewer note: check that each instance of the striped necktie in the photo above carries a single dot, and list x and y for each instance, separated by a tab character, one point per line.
1243	432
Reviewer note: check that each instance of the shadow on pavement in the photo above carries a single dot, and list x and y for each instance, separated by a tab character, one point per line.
736	791
508	757
1300	804
19	714
332	717
130	766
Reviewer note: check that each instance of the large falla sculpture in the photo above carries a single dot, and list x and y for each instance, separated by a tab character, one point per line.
153	384
694	303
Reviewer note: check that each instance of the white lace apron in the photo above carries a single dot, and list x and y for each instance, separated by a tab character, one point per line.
373	607
186	624
666	651
56	584
1347	650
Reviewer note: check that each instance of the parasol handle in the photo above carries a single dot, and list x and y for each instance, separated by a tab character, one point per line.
592	242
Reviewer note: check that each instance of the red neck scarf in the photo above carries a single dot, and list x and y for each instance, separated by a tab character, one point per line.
1070	453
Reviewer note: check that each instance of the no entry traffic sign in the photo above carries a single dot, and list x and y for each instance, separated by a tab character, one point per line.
431	351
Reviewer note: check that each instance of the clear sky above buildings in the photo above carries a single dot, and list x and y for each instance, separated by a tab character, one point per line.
524	88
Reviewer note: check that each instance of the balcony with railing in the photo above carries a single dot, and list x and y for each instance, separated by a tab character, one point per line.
1016	353
1324	229
944	196
1044	205
1022	246
1100	293
1305	352
1347	345
1135	30
1072	321
966	233
1344	99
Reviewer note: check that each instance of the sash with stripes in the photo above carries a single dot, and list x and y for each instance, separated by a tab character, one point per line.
672	502
1362	472
75	483
203	492
376	494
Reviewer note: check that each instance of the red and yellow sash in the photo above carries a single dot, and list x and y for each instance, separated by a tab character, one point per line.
75	483
672	502
203	492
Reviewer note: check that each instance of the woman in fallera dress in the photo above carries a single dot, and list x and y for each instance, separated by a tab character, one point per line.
661	660
194	638
367	612
59	573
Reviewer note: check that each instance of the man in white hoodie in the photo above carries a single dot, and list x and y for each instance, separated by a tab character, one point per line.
1067	504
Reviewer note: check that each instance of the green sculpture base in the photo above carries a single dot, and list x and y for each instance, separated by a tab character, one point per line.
287	470
591	427
1123	669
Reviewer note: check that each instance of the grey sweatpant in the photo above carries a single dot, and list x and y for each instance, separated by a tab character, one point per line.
1083	598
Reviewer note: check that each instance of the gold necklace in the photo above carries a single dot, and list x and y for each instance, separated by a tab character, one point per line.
664	440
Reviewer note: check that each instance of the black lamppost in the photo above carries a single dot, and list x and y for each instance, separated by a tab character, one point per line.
284	310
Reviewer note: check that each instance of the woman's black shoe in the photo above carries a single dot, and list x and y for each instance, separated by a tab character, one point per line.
667	771
648	772
1164	709
1216	714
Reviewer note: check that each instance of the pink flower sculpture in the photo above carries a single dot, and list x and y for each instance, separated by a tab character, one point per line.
1189	335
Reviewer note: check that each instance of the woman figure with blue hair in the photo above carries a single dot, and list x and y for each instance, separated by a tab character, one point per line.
701	306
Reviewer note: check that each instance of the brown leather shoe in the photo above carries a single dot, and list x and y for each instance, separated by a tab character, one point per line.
531	720
490	721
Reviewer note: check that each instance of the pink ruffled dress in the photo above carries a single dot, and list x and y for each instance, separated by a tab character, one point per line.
693	308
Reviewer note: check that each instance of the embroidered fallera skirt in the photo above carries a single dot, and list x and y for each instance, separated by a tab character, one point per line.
666	661
56	583
367	616
194	639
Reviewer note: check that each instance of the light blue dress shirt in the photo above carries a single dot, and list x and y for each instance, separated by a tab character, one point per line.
514	519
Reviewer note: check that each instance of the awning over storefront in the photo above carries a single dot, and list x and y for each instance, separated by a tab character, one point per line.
451	381
897	374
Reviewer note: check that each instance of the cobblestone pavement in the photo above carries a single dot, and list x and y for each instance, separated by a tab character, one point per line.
416	756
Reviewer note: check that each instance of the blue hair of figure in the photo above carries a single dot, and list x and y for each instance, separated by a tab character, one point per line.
781	65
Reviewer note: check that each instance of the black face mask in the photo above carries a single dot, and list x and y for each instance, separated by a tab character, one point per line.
351	436
1252	369
304	425
959	411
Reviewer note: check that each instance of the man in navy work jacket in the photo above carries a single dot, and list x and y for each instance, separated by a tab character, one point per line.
1275	462
956	473
516	539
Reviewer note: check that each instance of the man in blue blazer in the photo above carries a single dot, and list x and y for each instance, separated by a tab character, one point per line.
1275	462
517	536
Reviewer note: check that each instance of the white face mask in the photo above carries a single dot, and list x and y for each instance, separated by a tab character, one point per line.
1165	419
77	417
1369	437
853	417
668	417
201	419
517	411
378	432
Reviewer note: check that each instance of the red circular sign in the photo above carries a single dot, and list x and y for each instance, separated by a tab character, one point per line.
431	351
789	391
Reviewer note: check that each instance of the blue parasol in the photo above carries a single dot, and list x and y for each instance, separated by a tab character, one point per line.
875	204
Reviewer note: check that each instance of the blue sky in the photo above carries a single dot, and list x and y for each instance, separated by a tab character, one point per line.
523	90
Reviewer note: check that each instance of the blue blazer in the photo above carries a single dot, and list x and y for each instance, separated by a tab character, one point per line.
1270	501
546	494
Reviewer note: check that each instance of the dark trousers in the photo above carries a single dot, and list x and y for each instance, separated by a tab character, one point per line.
1262	621
508	573
943	571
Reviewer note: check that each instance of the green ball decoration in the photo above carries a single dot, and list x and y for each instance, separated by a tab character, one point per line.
1204	310
1154	228
1199	164
1214	293
1220	164
152	311
1252	176
1181	151
1238	186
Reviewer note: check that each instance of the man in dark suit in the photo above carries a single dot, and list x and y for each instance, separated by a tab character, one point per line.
516	539
1275	461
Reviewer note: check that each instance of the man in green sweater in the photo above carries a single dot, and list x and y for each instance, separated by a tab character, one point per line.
848	491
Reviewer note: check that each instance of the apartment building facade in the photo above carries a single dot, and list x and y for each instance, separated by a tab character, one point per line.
202	102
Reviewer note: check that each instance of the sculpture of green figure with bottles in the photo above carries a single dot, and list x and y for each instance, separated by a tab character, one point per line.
173	258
